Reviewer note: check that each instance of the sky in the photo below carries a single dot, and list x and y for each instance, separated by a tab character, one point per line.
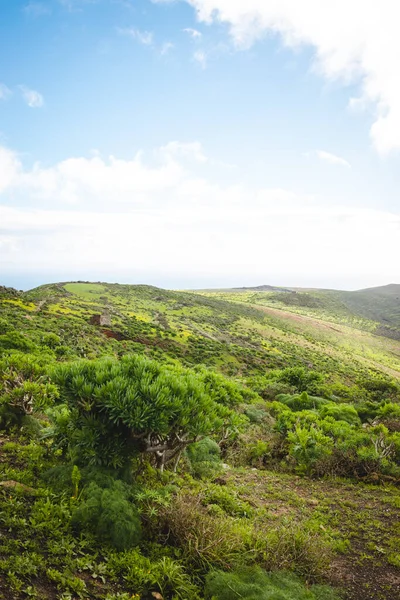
200	143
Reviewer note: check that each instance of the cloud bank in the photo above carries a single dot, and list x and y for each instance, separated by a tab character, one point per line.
166	215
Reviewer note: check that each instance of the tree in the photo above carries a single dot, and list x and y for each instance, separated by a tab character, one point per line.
121	408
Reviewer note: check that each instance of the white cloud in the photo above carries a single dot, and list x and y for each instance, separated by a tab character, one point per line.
333	159
96	215
143	37
194	33
31	97
166	48
200	57
10	168
98	181
5	92
354	41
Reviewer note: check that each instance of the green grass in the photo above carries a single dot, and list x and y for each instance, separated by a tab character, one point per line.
340	532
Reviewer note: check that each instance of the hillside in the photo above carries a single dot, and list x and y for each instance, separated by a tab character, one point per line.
375	309
175	445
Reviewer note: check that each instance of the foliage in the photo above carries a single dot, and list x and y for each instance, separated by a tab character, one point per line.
255	584
87	409
301	379
108	514
307	445
204	458
121	408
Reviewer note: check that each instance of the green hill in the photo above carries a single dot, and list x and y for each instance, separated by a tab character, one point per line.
374	309
176	444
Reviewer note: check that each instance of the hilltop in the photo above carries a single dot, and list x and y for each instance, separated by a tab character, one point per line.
176	444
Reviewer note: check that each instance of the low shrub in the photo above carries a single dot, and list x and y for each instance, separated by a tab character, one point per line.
144	575
256	584
107	513
204	458
205	540
227	500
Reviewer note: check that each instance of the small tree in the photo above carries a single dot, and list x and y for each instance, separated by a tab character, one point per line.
122	408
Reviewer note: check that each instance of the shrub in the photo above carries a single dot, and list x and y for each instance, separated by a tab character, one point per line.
204	458
258	452
143	575
301	379
24	389
301	401
206	541
255	415
341	412
227	499
307	445
292	547
121	408
15	340
108	514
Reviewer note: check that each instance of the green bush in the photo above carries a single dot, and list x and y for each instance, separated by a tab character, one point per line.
341	412
144	575
227	500
301	401
204	458
119	409
108	514
308	446
301	379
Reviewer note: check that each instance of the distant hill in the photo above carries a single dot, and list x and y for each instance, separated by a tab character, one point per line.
262	288
242	332
379	306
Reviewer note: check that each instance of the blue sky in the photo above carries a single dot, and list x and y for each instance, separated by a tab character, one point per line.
199	143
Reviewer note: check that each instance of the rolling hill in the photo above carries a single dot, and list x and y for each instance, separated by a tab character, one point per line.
299	470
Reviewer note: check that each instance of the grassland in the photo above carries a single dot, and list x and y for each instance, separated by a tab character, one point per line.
263	506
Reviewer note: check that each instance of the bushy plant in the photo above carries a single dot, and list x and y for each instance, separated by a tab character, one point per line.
340	412
24	389
303	401
204	458
301	379
164	574
228	500
308	445
108	514
206	540
122	408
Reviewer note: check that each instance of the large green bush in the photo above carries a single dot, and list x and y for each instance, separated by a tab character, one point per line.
122	408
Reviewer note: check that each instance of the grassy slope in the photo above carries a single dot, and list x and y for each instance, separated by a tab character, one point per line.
364	308
243	334
240	333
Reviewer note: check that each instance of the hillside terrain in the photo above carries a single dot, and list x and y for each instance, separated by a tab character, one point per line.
216	444
376	309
